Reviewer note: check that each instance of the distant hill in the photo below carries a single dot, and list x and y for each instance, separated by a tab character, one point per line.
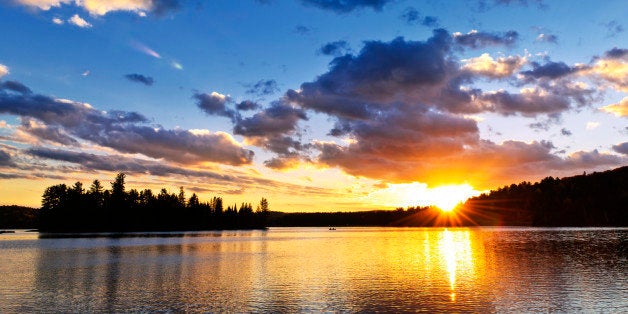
18	217
596	199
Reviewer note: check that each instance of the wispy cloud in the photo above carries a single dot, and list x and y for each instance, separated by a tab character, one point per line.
78	21
145	49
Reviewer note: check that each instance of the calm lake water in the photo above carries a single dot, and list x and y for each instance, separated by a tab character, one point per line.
315	269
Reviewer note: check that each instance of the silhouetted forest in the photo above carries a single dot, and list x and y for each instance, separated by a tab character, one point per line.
399	217
596	199
75	209
18	217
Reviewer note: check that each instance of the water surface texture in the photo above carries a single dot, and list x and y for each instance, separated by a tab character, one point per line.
315	269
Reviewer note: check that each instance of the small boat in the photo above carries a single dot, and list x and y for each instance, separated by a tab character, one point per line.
332	228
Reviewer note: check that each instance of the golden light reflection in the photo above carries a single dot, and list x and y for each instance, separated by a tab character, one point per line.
455	249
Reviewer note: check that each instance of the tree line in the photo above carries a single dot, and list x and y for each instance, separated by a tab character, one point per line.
596	199
96	209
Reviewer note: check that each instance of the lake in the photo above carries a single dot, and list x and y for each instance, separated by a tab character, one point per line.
316	269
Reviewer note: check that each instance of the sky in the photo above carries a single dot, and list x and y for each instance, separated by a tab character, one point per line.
317	105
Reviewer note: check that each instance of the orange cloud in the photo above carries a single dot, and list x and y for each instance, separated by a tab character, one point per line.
500	68
619	109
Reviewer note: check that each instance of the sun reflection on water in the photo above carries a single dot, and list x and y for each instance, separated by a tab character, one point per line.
456	255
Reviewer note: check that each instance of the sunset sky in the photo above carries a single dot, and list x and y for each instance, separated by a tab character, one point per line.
317	105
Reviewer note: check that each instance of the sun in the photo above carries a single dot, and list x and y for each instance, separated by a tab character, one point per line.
447	197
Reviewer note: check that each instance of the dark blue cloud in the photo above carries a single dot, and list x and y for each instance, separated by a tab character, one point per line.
5	159
215	104
412	16
616	53
335	48
263	88
550	70
346	6
279	118
476	39
139	78
15	87
247	105
621	148
163	7
302	30
613	28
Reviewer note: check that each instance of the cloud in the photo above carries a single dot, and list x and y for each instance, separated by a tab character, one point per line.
485	65
398	108
57	21
528	103
302	30
5	159
613	28
550	70
546	38
356	86
78	21
621	148
43	4
619	109
263	88
145	49
476	40
430	21
616	53
117	163
346	6
41	131
565	132
412	16
279	118
4	70
335	48
215	104
125	132
102	7
247	105
613	69
15	86
591	125
483	164
139	78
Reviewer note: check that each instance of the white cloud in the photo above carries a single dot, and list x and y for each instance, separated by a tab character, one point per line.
102	7
94	7
592	125
57	21
78	21
43	4
4	70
